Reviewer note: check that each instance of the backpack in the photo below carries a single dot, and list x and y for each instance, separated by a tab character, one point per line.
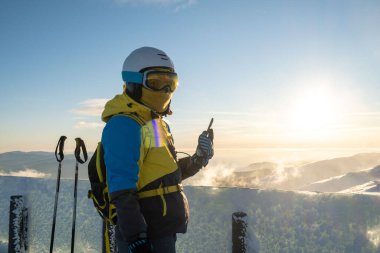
99	189
97	175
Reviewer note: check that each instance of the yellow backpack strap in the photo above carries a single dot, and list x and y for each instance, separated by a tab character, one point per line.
160	191
109	243
107	237
98	162
135	117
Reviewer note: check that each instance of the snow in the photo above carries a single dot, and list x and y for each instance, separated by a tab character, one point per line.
365	182
277	221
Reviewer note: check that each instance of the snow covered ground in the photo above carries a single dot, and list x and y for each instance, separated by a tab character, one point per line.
278	221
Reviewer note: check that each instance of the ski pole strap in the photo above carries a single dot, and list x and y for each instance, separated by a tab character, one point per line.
60	145
80	146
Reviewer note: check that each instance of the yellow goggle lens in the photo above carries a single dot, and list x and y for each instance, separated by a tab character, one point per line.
161	81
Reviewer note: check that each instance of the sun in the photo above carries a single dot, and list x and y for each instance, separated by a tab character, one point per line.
314	110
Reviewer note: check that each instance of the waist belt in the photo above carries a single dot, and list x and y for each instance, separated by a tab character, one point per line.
160	191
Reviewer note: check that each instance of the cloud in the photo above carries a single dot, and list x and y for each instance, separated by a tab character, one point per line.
88	125
178	4
212	176
257	175
25	173
91	107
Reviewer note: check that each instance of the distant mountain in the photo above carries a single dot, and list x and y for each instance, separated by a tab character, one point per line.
352	182
41	164
326	169
276	176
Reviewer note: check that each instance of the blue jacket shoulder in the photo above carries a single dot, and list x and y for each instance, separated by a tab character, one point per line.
121	141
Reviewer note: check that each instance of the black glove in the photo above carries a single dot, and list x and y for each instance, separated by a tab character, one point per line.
205	148
141	245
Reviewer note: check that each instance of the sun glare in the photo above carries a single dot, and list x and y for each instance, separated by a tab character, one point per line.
314	110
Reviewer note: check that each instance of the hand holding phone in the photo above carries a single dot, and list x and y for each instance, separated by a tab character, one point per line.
210	131
205	148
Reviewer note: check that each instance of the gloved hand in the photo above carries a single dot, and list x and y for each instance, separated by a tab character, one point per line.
141	245
205	148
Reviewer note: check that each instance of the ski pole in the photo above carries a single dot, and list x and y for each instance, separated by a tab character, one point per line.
59	156
79	146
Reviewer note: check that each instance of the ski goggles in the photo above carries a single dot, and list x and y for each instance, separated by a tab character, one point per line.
160	80
155	80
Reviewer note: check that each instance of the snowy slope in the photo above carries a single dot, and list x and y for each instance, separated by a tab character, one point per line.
334	167
371	187
277	221
356	181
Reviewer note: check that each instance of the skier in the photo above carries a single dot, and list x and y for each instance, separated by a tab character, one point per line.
143	173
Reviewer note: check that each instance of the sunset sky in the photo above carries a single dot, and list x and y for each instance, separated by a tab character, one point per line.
274	74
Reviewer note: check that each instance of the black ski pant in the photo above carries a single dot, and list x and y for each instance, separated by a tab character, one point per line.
160	245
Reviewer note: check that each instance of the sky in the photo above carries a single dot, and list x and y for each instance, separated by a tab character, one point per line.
274	75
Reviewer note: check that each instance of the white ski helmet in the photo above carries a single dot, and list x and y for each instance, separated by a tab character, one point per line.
145	57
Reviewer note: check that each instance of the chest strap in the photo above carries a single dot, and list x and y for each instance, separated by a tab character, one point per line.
160	191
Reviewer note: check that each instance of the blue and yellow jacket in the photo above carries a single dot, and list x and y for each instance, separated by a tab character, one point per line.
143	173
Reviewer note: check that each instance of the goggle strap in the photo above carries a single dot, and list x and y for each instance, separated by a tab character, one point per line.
132	77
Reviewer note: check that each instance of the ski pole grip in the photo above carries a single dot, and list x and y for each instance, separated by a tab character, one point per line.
61	143
80	146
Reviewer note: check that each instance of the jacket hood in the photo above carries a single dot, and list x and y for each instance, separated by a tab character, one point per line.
123	104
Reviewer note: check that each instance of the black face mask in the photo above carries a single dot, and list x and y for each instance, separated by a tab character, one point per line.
133	90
